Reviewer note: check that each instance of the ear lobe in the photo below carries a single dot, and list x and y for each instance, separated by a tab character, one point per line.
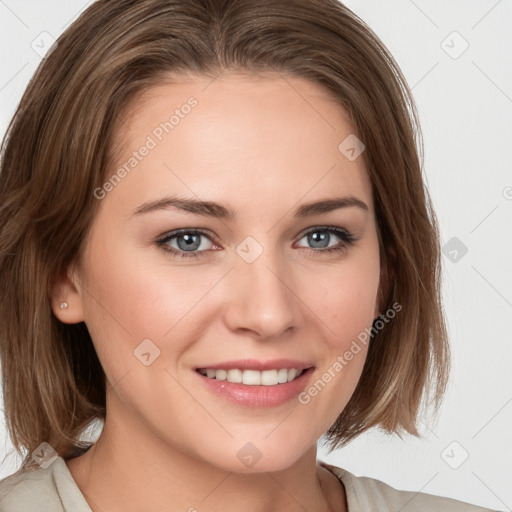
64	291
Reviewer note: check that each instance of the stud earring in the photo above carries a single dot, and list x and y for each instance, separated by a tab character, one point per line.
63	305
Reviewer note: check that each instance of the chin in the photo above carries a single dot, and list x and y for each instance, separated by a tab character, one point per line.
256	456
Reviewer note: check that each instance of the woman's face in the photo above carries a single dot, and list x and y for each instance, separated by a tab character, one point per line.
255	290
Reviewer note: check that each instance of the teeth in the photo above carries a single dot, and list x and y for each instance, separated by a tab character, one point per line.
282	375
253	377
233	375
269	378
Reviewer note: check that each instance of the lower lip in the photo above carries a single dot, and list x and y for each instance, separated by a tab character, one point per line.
258	396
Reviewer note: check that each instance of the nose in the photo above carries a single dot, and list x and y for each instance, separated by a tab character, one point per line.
261	297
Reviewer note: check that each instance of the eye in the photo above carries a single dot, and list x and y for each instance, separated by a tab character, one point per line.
187	240
188	243
320	237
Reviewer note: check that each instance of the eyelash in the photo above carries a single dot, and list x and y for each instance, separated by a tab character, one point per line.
348	239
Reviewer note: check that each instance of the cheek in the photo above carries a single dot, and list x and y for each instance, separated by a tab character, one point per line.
344	301
344	297
129	298
353	309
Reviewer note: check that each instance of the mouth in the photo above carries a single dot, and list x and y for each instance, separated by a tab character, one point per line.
256	383
251	377
253	383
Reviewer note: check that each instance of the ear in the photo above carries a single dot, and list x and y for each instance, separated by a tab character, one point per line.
66	290
387	274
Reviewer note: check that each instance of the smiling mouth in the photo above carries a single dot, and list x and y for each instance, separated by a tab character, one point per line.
253	377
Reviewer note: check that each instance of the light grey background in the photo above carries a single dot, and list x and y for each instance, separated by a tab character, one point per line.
465	104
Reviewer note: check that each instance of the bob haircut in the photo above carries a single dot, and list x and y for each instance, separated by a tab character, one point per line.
59	149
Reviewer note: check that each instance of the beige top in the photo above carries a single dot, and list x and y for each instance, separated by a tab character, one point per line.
54	490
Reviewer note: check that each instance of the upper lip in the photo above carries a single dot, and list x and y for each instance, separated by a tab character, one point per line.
255	364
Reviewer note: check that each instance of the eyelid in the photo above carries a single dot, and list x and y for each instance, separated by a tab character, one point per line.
347	239
333	229
163	239
213	237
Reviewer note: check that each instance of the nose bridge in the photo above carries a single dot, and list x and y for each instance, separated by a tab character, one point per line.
263	301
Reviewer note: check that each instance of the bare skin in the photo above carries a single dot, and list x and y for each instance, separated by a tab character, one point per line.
263	146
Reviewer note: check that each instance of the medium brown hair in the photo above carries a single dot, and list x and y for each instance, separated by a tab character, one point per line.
58	150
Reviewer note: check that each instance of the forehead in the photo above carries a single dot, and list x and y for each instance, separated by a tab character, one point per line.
234	85
251	134
274	99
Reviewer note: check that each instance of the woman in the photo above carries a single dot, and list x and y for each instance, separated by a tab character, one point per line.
213	218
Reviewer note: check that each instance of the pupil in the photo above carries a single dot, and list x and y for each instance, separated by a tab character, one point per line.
318	237
189	242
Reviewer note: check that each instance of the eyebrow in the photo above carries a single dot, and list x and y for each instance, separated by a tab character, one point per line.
216	210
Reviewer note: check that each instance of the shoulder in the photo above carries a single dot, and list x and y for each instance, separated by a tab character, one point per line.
28	490
365	493
52	489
